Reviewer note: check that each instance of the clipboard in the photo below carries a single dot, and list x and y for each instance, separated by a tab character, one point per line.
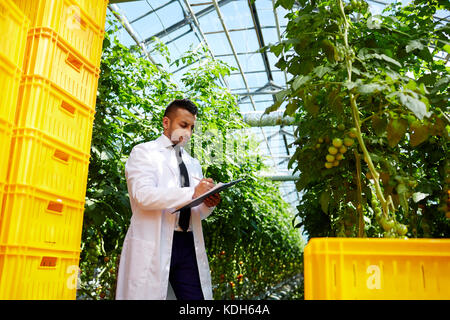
217	188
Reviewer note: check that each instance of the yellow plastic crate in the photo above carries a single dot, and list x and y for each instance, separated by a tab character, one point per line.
68	19
35	218
46	107
44	163
5	145
13	35
49	56
95	10
2	192
37	274
366	269
10	77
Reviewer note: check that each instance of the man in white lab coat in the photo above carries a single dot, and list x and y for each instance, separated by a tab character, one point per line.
163	252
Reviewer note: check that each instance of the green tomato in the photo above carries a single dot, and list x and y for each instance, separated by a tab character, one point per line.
348	142
337	142
387	224
352	133
401	229
330	158
332	150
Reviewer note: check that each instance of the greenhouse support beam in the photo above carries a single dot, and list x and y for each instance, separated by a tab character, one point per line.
283	177
259	119
258	91
124	21
149	12
184	22
259	36
277	23
230	42
202	35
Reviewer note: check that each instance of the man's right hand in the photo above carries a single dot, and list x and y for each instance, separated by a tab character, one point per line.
204	186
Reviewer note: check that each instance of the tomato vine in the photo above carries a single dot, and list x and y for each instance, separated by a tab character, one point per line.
372	78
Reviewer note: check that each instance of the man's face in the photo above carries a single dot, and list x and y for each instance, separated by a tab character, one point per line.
179	126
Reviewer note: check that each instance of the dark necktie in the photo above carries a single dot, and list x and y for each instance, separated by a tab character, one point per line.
185	214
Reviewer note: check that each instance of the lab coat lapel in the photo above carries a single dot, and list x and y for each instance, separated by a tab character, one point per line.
171	160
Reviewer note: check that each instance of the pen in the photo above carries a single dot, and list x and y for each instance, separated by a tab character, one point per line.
198	179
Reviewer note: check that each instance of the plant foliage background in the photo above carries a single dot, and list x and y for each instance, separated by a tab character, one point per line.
250	241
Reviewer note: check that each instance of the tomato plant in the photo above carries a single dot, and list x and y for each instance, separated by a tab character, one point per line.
371	109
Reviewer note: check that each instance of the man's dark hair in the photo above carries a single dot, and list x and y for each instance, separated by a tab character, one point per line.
183	104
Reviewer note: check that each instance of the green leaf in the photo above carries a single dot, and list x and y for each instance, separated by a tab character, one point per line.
419	133
371	88
312	108
411	85
396	130
324	201
277	49
374	22
418	107
303	181
321	70
330	50
413	45
280	95
273	107
389	59
379	124
291	108
446	48
417	196
286	4
300	81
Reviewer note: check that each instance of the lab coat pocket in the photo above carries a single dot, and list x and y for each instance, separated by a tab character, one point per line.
141	258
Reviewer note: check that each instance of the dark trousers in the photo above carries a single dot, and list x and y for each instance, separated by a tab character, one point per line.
183	275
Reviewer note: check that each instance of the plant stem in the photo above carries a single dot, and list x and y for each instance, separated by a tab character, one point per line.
359	208
356	119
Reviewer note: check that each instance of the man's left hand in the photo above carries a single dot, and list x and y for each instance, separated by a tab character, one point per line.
212	200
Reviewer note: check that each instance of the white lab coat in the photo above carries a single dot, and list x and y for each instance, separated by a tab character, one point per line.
153	179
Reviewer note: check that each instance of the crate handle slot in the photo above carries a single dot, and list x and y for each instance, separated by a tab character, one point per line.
81	21
61	155
74	62
423	275
48	262
55	206
68	107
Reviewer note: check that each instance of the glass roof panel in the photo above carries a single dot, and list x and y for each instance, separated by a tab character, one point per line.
210	22
218	43
236	15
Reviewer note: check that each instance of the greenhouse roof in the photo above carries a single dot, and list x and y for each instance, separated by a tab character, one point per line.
233	31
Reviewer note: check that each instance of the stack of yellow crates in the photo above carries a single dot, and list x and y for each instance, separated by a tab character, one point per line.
44	190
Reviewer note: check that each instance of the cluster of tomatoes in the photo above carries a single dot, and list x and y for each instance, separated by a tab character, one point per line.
337	149
392	228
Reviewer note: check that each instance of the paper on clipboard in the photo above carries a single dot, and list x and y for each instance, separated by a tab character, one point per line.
217	188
